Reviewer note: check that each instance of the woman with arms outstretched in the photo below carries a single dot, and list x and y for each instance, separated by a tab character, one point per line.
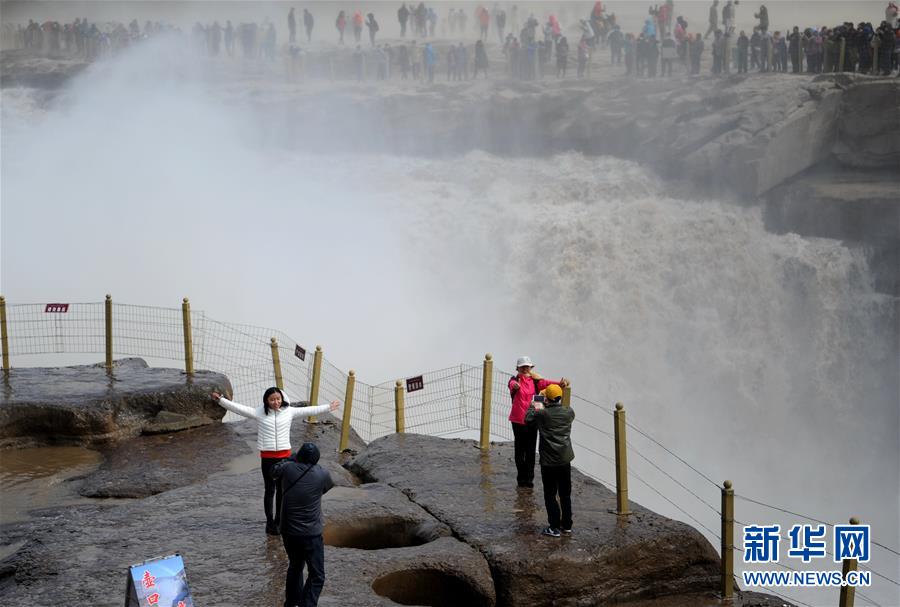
273	418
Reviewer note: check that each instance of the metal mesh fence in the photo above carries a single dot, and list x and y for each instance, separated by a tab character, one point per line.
147	331
382	410
43	329
295	372
449	401
501	404
439	407
243	353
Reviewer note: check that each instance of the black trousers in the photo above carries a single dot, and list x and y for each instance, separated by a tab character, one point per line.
557	481
272	489
525	443
308	550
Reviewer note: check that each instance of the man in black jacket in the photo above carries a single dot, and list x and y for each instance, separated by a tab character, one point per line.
554	421
303	482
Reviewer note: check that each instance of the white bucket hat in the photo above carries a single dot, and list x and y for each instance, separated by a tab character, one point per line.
524	361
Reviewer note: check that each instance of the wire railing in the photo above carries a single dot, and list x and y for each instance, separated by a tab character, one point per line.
443	402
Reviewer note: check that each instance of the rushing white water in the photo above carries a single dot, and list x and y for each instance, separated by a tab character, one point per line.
767	359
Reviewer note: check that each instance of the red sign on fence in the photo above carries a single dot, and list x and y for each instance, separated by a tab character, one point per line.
415	383
56	308
299	352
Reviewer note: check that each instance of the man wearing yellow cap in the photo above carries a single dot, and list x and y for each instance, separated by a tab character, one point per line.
554	422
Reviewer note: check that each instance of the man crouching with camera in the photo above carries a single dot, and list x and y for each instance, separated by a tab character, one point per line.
554	421
303	482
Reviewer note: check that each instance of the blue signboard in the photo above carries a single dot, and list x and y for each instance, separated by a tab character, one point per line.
160	582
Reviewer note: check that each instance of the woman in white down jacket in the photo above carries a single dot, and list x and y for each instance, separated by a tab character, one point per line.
273	418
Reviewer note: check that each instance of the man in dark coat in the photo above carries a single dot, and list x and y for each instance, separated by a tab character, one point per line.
743	44
696	53
403	17
308	23
795	48
303	483
554	422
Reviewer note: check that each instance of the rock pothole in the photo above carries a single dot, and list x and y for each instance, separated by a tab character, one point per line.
429	587
377	533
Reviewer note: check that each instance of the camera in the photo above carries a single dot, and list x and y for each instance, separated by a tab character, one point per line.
539	398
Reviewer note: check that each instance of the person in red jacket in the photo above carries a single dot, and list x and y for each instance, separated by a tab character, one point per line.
341	24
522	388
357	25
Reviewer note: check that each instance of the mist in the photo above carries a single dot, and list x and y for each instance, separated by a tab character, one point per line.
766	359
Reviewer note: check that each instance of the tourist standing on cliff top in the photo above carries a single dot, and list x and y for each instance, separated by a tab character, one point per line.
357	26
522	388
562	57
554	422
273	439
403	18
303	482
713	19
308	23
429	59
341	24
696	52
743	47
481	60
892	15
763	16
373	27
292	27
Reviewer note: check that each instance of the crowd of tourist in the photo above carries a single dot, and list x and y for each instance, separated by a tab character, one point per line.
527	48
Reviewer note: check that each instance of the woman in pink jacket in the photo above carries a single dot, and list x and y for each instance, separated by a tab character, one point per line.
522	388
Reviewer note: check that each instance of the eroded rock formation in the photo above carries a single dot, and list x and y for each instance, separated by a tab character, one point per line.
87	405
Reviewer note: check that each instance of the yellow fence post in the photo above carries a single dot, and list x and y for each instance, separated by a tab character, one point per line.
276	364
348	405
398	407
567	395
314	387
621	461
727	541
487	376
109	339
188	342
848	593
4	336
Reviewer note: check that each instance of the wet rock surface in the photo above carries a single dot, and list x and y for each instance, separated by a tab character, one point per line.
450	528
147	465
376	516
215	520
87	405
607	559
